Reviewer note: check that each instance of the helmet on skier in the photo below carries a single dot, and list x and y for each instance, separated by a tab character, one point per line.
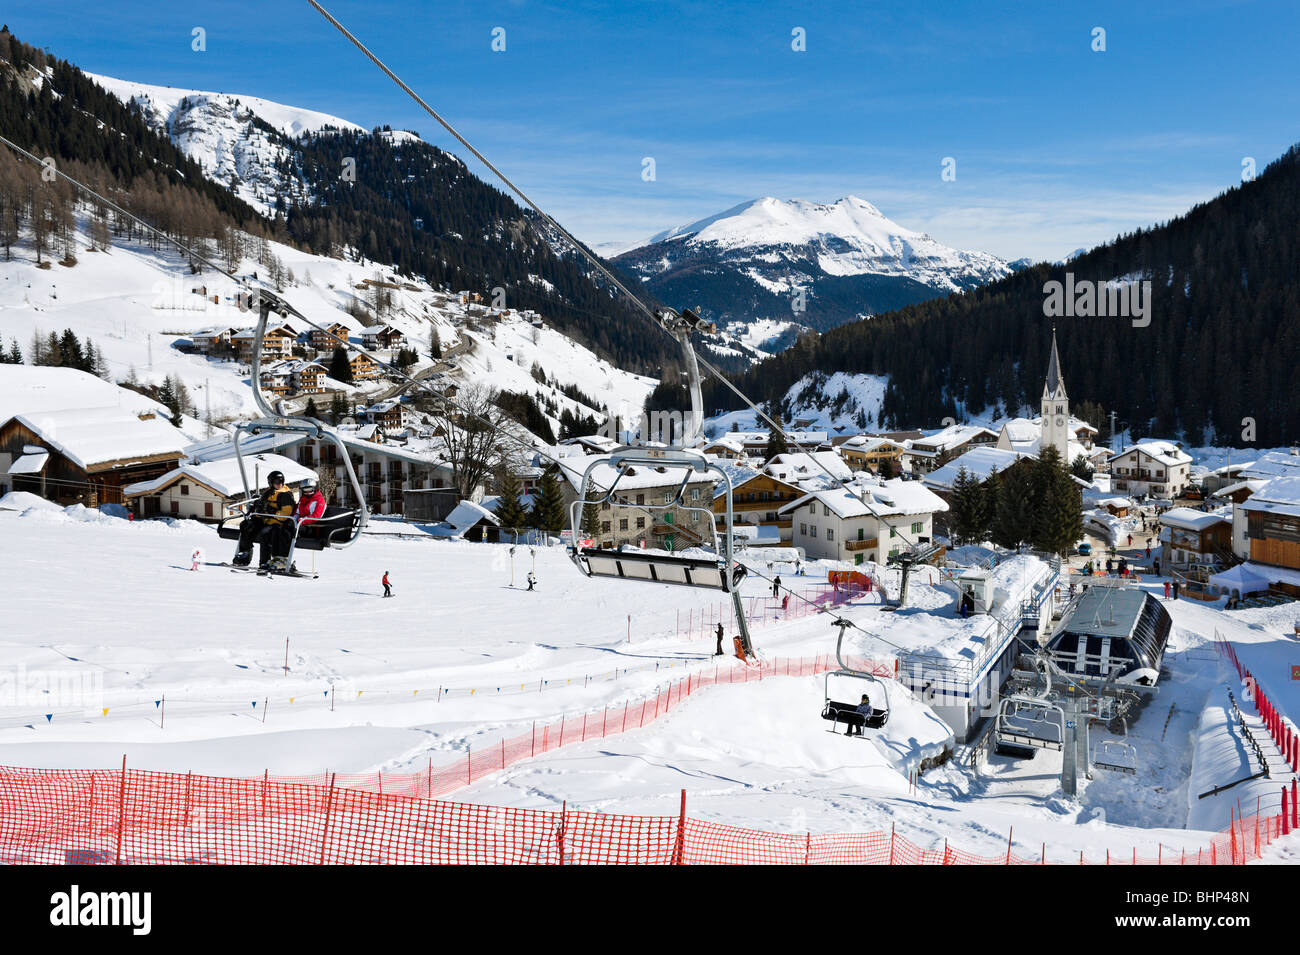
275	477
309	484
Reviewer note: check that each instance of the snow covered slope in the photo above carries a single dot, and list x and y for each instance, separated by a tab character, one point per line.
849	258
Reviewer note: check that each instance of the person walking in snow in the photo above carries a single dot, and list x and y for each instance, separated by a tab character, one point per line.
1130	540
196	558
776	587
718	652
1166	590
388	588
1175	590
532	580
785	603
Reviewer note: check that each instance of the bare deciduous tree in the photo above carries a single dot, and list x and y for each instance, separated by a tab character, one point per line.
476	432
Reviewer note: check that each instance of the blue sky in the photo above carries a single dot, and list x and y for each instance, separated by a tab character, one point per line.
1056	146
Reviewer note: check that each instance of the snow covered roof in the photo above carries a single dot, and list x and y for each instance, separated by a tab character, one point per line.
27	389
31	462
91	436
466	514
953	436
1231	489
887	499
1271	465
1278	496
1189	519
1019	430
639	478
223	476
980	463
1166	452
798	467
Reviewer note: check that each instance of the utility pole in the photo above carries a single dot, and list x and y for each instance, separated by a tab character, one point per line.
1113	449
207	401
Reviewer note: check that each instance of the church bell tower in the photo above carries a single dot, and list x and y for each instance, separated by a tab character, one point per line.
1056	408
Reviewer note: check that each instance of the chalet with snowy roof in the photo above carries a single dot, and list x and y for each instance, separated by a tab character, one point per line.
1269	529
391	415
1151	468
1188	537
757	499
276	343
927	454
819	467
590	443
213	341
327	340
865	524
866	453
277	378
1271	465
473	522
210	490
307	377
363	368
86	455
725	449
627	520
382	336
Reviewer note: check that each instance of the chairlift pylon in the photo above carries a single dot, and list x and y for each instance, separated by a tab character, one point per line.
338	527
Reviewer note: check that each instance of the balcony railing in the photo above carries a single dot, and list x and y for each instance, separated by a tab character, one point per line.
867	544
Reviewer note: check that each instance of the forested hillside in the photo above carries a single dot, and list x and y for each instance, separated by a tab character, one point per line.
1223	342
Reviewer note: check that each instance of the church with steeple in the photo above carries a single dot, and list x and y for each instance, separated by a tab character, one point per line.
1056	408
1054	426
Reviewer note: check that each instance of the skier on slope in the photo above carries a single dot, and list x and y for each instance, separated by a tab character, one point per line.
388	588
267	525
718	652
532	580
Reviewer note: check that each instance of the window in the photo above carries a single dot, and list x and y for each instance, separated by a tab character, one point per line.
803	530
622	524
668	497
640	498
185	489
640	523
893	531
812	530
830	533
918	527
695	494
604	506
604	527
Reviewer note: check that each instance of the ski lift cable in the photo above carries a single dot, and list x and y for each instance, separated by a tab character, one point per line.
582	250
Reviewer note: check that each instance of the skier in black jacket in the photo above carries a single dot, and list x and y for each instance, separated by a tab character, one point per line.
269	524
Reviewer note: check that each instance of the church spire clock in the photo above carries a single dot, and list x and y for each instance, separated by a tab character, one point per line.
1056	408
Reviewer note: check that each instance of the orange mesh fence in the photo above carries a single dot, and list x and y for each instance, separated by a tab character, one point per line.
128	816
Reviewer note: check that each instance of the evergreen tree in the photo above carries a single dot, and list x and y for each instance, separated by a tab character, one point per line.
776	443
311	411
15	356
340	370
888	469
167	397
435	344
1058	512
53	354
966	517
338	408
510	512
548	506
1014	523
1081	469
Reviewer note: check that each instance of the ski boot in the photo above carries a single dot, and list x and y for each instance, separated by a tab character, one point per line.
242	558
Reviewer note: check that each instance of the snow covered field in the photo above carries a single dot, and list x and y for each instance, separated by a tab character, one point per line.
459	659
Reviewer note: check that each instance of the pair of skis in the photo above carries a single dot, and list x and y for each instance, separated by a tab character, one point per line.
267	571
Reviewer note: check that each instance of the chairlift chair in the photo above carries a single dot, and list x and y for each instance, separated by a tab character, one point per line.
338	527
1115	755
847	713
1026	724
720	571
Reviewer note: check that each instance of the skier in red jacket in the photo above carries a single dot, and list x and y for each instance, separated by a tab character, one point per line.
388	588
311	505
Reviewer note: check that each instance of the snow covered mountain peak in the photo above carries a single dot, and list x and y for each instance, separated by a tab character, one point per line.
850	258
219	132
